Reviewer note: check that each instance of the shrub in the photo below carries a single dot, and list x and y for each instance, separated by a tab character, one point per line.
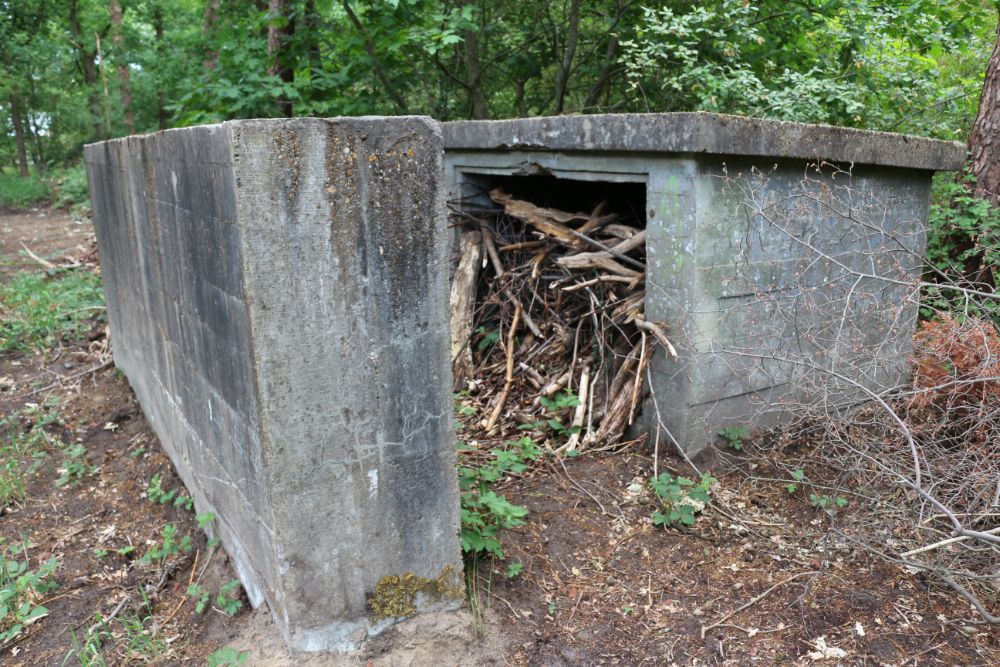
19	192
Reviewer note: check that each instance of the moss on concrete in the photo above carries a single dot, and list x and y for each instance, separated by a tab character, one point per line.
395	595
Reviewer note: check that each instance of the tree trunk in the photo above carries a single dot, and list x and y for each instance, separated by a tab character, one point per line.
572	36
984	140
124	73
277	36
210	17
380	72
16	121
473	76
33	131
85	64
161	96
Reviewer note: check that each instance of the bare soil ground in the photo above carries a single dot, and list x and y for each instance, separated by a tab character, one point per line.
600	585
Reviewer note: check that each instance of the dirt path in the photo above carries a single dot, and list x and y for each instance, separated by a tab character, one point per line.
49	233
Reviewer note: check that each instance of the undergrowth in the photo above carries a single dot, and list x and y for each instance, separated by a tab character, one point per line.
19	192
484	511
37	310
23	448
22	588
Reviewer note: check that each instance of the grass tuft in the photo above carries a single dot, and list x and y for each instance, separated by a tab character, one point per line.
39	309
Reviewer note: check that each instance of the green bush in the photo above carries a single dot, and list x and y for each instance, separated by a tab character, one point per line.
38	308
18	192
963	246
72	190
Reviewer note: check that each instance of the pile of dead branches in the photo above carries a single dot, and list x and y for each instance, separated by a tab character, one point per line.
548	321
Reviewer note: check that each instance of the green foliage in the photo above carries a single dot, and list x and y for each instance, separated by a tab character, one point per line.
36	309
514	569
484	512
227	657
963	245
735	435
680	498
88	652
562	401
155	493
487	338
912	65
226	599
826	502
138	639
22	448
172	544
72	191
20	590
798	475
902	66
19	192
201	596
74	466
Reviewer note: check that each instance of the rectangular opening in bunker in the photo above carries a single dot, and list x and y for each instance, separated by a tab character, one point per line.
549	292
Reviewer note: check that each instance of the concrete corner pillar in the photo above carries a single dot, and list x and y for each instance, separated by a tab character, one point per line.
277	292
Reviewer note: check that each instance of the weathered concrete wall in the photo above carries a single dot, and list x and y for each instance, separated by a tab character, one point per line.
781	286
277	292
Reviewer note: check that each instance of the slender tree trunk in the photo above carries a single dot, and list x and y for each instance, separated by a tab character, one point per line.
473	76
104	84
984	140
124	73
210	17
572	37
32	128
608	72
85	63
277	37
17	122
161	96
380	72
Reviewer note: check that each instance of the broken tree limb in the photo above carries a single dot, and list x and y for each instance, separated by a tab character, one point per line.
44	262
656	329
491	423
581	411
463	303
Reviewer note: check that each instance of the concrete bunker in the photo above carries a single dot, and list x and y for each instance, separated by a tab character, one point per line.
782	258
277	294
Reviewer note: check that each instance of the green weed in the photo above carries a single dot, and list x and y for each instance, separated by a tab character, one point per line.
798	475
226	599
172	544
37	309
137	640
155	493
555	406
680	498
484	512
735	435
21	588
74	466
824	501
88	651
23	444
227	657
